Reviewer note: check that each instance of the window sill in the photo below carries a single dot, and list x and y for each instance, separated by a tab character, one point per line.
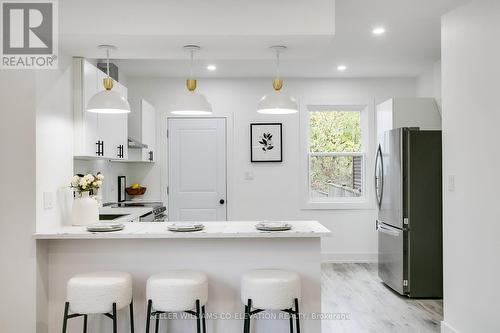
358	205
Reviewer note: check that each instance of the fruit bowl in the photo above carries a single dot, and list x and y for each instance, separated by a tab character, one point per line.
136	191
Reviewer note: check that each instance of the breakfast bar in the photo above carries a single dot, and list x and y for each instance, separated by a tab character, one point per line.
224	251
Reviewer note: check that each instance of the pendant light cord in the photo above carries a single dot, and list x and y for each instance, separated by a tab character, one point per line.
191	64
277	64
107	61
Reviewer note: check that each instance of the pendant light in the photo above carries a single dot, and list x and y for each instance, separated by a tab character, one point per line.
108	101
277	102
191	103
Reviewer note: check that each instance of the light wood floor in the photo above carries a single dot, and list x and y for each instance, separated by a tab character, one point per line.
355	292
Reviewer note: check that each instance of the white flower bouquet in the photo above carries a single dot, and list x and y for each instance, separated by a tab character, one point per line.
84	183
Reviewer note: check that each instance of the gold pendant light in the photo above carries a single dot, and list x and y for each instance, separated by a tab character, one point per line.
277	102
191	103
108	101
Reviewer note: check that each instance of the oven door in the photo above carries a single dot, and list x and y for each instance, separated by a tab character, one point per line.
149	217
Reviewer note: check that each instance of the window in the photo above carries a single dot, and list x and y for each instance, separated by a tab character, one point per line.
336	155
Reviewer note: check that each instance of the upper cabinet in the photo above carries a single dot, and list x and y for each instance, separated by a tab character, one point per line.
408	112
96	135
142	128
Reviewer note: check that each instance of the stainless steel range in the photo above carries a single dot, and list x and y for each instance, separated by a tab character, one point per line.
159	213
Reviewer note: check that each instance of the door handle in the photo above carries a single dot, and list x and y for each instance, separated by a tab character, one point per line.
221	201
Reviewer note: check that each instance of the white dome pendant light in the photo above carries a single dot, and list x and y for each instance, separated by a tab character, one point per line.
277	102
191	103
108	101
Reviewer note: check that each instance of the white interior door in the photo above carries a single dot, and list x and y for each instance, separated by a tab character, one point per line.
197	169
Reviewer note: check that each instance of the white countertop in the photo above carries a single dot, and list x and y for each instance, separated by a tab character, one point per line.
158	230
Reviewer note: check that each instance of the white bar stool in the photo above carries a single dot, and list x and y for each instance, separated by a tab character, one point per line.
98	293
271	289
177	291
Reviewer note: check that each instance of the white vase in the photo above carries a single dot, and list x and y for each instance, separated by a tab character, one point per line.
85	210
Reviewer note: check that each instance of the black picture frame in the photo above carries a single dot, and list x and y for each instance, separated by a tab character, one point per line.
276	157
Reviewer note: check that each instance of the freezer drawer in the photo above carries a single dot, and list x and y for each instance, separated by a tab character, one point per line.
391	256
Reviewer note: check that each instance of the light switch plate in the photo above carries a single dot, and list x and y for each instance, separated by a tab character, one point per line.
47	200
451	183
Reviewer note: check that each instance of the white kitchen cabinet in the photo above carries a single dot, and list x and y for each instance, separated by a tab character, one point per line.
142	128
113	128
96	135
408	112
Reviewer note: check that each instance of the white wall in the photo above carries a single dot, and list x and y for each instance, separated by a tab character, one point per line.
35	139
54	142
471	120
429	82
17	221
275	191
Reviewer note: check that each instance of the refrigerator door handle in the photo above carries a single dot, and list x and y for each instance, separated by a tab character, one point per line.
379	181
387	230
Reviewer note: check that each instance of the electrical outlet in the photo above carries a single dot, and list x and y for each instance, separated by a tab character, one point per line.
47	200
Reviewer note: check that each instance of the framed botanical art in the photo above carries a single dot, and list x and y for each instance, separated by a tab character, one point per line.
266	142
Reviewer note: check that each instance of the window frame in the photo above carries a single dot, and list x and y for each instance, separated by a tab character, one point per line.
366	108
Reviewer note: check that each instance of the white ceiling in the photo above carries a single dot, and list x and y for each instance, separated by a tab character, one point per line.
412	43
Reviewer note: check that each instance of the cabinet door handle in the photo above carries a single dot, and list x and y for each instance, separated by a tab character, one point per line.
100	148
151	155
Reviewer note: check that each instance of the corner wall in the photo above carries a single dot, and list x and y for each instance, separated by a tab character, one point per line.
471	136
17	207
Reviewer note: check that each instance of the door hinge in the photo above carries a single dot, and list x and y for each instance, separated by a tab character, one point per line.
167	134
406	221
168	189
405	283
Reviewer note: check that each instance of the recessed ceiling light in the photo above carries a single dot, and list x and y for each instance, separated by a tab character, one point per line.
211	68
378	31
341	68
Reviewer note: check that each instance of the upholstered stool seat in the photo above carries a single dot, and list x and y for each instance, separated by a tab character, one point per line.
98	293
271	289
177	291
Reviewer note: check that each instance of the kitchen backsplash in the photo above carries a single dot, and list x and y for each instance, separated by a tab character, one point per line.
135	173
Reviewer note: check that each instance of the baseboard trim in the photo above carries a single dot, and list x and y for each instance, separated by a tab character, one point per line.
446	328
349	257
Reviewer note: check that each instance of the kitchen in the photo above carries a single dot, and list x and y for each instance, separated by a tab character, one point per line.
376	67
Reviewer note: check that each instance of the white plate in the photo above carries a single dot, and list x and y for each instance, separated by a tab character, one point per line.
273	226
185	227
103	227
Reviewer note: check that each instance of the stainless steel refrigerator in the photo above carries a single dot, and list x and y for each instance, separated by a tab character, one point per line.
408	184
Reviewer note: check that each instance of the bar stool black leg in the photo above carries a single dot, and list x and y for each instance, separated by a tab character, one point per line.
65	319
131	309
249	315
148	316
198	316
115	328
297	315
245	321
84	323
291	320
203	319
